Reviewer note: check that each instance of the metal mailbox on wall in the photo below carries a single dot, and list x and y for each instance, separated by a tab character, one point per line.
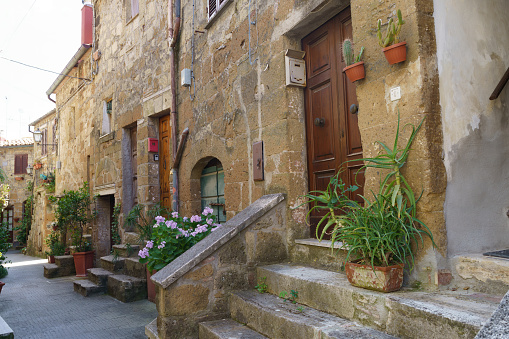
153	145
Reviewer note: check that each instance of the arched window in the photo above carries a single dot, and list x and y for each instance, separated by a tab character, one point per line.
212	188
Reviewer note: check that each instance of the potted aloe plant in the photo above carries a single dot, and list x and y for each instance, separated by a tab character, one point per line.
379	235
394	50
354	66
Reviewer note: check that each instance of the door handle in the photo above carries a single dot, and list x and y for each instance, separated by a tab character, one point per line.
354	109
320	122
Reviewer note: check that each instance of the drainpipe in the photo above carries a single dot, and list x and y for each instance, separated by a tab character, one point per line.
173	32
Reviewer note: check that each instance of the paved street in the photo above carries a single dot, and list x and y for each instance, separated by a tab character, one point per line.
36	307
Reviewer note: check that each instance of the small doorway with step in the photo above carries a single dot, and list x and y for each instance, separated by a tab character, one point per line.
333	137
104	240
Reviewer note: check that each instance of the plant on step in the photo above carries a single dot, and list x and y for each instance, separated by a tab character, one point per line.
392	33
56	247
292	297
173	236
73	214
115	235
262	286
348	53
141	218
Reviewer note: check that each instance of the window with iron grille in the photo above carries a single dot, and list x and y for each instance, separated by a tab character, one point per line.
214	6
20	163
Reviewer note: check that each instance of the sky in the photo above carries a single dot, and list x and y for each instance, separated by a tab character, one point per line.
41	33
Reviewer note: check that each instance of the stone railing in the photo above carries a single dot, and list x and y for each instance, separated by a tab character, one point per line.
196	286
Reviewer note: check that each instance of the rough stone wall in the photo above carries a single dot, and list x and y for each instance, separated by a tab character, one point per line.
472	57
418	79
42	215
18	193
203	293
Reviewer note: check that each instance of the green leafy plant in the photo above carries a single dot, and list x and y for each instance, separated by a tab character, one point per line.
56	247
262	286
283	294
392	34
172	237
3	270
4	190
73	213
26	221
142	219
5	242
381	231
50	183
292	297
300	309
115	235
348	53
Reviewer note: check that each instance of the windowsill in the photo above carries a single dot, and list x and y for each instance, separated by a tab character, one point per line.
218	14
106	137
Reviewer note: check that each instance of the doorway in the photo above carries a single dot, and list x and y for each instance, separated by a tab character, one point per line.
7	218
332	132
212	189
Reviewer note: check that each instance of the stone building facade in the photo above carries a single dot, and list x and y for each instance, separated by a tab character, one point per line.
15	156
235	102
44	169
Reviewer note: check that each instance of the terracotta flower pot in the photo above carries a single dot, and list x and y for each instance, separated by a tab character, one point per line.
395	53
51	259
383	279
82	262
355	72
151	287
1	285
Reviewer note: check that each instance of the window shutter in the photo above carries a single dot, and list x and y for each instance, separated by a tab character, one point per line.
24	163
17	163
212	8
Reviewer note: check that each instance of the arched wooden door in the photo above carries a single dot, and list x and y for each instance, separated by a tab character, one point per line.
333	137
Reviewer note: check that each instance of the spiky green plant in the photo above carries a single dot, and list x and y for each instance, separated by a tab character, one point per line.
392	32
348	53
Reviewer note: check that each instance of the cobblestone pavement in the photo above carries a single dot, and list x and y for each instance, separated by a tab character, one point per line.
36	307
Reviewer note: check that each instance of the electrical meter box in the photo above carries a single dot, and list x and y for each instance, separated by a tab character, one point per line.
185	77
295	68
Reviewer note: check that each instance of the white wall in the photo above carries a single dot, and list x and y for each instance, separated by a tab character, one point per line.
473	54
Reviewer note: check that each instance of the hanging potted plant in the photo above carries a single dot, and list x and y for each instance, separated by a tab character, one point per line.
381	234
73	214
354	66
394	50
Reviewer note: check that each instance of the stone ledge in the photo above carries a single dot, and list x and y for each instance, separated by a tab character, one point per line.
318	243
5	331
180	266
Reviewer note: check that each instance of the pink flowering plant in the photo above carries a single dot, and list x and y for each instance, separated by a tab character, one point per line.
173	236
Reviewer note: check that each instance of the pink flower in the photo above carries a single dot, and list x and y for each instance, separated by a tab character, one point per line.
195	218
171	224
210	221
175	214
162	245
160	219
143	253
207	210
150	244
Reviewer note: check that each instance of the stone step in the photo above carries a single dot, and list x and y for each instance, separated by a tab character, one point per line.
126	288
131	238
134	268
227	329
87	288
481	273
50	271
112	263
405	313
151	330
126	250
275	318
98	276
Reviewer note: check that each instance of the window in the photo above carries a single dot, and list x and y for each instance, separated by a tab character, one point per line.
6	217
132	8
214	6
212	189
20	163
107	112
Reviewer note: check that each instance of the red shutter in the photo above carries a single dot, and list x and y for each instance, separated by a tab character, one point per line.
18	160
24	163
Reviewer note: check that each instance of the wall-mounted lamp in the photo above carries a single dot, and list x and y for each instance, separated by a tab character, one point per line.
29	169
38	137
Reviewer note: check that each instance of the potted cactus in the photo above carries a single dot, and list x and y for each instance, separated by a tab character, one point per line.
394	50
354	66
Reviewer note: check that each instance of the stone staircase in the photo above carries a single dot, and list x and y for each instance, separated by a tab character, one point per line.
329	307
63	266
121	276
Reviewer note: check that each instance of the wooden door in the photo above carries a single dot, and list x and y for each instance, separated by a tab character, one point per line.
164	160
333	137
134	163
